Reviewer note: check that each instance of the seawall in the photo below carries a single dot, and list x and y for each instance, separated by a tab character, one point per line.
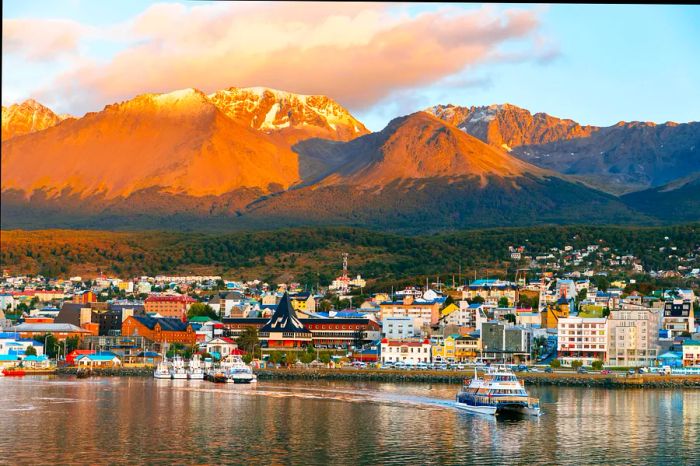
452	377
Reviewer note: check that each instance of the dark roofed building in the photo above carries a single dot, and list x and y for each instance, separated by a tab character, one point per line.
284	329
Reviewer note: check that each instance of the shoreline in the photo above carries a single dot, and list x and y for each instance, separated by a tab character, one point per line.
451	377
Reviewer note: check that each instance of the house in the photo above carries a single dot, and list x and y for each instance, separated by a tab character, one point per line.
71	357
221	347
678	317
691	353
405	351
103	359
36	362
160	329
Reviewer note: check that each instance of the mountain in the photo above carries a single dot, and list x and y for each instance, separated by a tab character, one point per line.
28	117
421	173
674	202
293	117
178	142
620	158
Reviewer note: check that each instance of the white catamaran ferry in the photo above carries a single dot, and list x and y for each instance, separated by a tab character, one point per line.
498	392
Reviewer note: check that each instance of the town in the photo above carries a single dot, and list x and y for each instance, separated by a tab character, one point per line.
557	318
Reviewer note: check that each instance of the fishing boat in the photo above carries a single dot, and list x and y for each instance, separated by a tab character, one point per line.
162	371
499	391
13	372
178	370
195	371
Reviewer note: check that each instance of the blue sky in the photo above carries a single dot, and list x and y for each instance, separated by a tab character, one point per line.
596	64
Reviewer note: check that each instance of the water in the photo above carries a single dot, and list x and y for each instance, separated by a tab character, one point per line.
142	420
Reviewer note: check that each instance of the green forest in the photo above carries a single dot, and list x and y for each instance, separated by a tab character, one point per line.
313	255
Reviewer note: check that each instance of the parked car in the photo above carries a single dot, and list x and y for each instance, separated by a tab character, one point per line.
548	370
606	371
582	370
631	371
534	369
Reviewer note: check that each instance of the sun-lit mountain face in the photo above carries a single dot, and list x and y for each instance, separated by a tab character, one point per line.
28	117
179	142
294	116
422	146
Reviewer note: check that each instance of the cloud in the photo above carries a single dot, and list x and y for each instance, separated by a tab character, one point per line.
358	54
42	39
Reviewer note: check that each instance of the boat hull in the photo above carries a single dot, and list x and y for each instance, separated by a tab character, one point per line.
196	376
488	410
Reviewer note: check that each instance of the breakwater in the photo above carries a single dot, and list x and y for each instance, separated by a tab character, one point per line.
454	377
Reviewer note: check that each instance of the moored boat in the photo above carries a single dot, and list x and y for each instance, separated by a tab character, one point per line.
162	371
195	371
499	391
238	371
13	372
177	370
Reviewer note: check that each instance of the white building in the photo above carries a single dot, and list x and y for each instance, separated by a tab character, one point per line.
405	351
633	336
583	339
398	328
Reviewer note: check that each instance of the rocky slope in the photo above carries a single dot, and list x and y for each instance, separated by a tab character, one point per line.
620	158
28	117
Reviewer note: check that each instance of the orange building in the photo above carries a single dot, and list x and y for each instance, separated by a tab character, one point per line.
85	297
175	306
159	329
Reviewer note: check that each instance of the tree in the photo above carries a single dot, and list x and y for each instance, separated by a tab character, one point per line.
290	358
476	300
575	365
503	302
325	357
276	357
248	340
597	365
201	309
582	295
510	318
30	351
555	364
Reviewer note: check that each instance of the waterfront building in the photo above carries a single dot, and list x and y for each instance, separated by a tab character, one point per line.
398	328
159	329
59	331
467	347
405	351
691	353
504	342
421	311
12	344
102	359
445	350
678	317
583	339
633	336
175	306
284	329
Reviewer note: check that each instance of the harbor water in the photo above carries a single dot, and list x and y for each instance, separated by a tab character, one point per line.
135	420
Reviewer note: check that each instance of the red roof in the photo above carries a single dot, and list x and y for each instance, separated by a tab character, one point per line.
70	357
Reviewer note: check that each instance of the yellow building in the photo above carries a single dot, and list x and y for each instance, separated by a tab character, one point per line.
552	314
445	352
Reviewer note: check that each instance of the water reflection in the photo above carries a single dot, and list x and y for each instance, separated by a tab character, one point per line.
144	420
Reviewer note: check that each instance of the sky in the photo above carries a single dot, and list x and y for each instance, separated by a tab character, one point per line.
596	64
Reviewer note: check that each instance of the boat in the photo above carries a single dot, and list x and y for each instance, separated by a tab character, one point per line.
177	370
195	371
14	372
499	391
238	371
162	371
